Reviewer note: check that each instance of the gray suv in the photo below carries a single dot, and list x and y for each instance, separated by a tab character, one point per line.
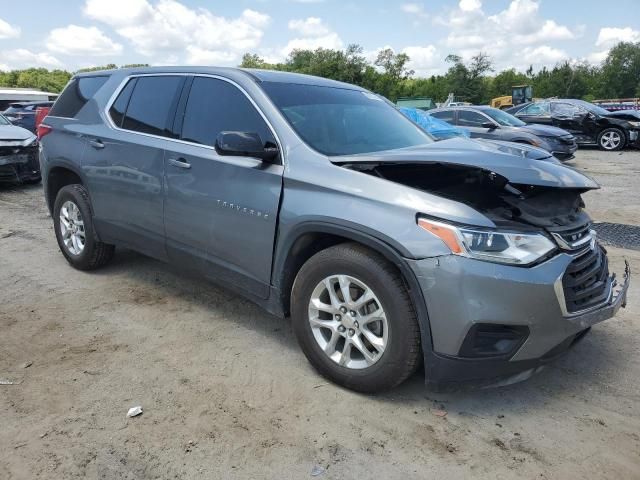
317	200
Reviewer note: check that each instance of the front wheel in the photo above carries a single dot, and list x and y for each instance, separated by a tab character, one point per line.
611	139
354	319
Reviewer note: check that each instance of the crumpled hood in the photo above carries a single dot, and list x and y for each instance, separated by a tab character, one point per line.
631	115
544	130
12	132
503	158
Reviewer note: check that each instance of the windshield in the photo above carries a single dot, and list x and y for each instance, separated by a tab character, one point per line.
591	107
340	121
4	121
503	118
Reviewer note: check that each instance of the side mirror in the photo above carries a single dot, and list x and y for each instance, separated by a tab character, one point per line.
489	125
245	144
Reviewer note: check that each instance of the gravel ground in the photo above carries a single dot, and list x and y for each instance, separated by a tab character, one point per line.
227	394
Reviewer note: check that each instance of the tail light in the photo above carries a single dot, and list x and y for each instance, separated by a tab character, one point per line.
43	130
41	112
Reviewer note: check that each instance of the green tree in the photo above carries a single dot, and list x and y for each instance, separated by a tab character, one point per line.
621	71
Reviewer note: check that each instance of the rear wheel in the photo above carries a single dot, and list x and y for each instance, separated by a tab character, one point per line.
73	224
611	139
354	319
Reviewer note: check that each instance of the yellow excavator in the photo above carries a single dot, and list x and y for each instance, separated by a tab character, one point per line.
519	94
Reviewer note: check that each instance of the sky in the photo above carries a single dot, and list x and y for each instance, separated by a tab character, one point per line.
73	34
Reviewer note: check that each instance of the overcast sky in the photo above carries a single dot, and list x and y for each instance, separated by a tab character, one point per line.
516	33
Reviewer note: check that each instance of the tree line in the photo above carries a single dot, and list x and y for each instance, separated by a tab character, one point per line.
618	76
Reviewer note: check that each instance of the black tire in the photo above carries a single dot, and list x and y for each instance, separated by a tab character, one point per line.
95	254
605	145
402	353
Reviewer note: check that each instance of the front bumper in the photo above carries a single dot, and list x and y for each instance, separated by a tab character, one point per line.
19	165
634	138
462	292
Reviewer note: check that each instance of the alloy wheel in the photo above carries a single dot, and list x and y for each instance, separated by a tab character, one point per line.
348	321
72	228
610	140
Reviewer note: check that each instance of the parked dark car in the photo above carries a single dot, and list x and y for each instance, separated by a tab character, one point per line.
589	123
494	124
23	114
18	154
318	200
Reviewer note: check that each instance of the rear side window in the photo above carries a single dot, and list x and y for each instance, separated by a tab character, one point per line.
76	95
446	115
215	106
152	104
119	107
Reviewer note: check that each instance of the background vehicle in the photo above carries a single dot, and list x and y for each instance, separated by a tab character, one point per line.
439	129
619	104
519	94
18	154
589	123
420	103
318	199
493	124
23	114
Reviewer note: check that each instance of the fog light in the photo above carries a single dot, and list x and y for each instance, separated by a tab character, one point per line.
491	340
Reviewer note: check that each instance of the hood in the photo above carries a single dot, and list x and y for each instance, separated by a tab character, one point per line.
544	130
11	132
630	115
518	164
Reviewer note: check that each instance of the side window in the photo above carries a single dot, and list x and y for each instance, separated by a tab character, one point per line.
215	106
119	107
76	95
539	109
152	104
469	118
446	115
565	109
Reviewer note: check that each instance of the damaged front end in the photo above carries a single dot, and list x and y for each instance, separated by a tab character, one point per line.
19	160
525	285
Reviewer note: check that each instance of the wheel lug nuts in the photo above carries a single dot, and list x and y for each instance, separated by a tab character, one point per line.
351	332
343	309
356	324
352	313
338	317
341	329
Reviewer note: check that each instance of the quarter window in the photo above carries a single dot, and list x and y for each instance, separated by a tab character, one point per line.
76	96
152	105
469	118
216	106
119	107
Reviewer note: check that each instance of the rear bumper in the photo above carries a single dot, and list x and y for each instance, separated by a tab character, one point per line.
461	292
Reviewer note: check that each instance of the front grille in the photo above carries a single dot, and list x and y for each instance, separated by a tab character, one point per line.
573	239
586	281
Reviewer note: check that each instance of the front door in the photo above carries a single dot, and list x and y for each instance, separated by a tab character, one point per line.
474	122
220	212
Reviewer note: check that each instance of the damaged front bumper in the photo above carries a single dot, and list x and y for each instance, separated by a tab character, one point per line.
518	309
19	163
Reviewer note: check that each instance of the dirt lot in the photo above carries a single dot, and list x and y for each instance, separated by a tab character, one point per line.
227	394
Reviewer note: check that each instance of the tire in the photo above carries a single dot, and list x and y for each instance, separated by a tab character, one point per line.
91	253
607	139
396	355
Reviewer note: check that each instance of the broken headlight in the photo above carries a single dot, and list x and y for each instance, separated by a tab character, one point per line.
490	245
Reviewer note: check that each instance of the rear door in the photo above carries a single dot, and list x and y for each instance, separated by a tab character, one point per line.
124	162
221	211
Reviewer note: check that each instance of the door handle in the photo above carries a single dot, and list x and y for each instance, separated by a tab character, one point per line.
179	162
96	143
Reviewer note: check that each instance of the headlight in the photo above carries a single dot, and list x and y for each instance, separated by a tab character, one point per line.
491	245
635	124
